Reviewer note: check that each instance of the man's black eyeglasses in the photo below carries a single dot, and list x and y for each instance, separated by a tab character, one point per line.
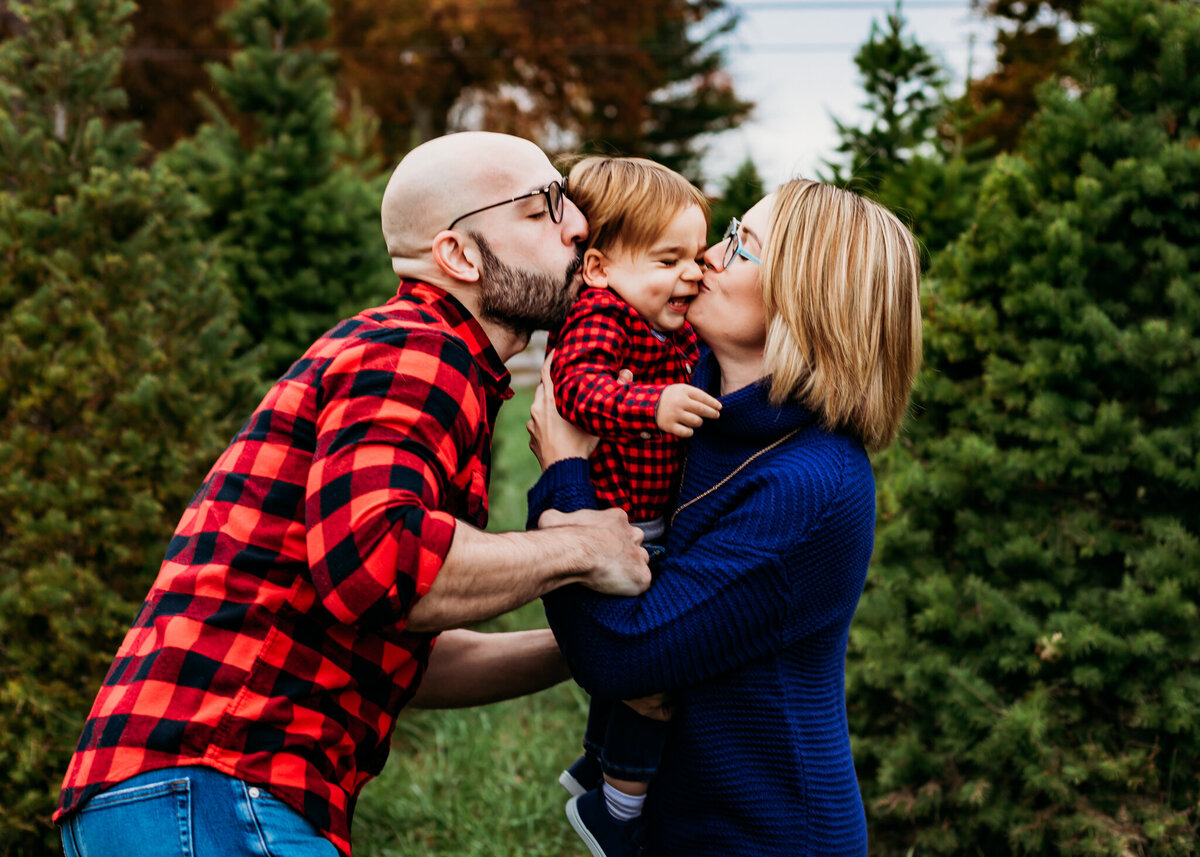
555	193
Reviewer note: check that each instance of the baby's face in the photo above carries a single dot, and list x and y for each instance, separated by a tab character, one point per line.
660	281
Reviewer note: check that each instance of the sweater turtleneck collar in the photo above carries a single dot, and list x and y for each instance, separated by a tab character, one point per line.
747	415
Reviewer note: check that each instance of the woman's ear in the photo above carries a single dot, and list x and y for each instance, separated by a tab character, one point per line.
456	257
595	269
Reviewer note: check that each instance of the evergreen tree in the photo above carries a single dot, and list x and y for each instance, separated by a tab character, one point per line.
1024	670
115	385
740	190
293	201
692	95
910	156
935	195
904	86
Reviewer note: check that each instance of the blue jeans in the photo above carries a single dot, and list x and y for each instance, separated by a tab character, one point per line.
189	812
627	745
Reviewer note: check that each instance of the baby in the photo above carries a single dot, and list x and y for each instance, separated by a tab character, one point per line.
641	269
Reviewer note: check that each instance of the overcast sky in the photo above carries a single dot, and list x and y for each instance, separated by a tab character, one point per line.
795	60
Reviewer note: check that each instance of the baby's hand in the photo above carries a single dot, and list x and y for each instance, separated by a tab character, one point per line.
682	408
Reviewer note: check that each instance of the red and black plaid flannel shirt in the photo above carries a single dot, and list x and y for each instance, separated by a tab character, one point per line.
272	646
636	464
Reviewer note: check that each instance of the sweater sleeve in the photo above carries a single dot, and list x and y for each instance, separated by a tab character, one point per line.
751	586
565	486
592	348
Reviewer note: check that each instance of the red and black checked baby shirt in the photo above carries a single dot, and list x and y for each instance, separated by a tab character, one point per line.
272	646
636	464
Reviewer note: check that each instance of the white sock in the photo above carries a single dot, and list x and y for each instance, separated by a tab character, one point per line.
622	806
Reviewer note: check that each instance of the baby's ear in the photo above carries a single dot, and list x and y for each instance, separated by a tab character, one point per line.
595	269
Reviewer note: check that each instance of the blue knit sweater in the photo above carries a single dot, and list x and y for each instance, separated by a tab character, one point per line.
746	625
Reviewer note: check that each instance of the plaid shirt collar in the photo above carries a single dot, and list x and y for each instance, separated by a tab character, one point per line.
495	374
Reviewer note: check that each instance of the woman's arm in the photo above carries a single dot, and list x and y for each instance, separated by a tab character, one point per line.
773	567
551	437
750	587
758	580
562	450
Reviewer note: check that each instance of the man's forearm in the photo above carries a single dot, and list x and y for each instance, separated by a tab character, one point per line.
486	574
469	668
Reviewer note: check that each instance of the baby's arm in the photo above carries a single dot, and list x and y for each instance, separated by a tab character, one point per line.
591	350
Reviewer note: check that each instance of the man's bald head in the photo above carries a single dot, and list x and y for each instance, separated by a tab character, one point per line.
447	177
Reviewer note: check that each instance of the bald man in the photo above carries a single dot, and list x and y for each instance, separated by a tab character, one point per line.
318	580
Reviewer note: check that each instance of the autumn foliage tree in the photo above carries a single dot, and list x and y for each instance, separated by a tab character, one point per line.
1032	46
635	78
629	78
163	65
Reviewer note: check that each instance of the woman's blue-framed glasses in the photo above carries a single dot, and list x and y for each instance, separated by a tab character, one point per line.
555	193
733	234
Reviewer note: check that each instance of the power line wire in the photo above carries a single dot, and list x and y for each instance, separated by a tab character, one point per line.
847	5
182	55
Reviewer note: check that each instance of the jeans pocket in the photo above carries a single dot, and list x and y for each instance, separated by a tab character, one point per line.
149	820
285	832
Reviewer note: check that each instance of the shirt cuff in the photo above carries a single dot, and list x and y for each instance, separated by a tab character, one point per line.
437	533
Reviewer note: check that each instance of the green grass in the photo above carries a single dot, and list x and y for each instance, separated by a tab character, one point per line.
479	781
482	781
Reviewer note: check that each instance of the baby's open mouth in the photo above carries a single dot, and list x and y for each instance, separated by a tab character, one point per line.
680	303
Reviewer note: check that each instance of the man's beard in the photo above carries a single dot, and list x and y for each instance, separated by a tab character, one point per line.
523	300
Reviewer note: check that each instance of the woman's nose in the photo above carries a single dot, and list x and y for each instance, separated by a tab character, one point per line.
712	257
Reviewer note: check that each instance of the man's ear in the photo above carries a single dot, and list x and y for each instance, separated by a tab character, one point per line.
456	256
594	269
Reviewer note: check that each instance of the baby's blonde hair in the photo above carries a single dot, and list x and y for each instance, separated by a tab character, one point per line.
629	202
840	279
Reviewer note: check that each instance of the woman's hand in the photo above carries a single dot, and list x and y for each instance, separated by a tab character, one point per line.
657	707
551	437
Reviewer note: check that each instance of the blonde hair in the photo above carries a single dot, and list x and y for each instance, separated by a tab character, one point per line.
840	281
629	202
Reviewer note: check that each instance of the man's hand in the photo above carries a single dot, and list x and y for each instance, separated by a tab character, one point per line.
618	564
682	408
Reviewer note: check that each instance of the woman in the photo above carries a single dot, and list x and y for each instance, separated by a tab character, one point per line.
810	311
